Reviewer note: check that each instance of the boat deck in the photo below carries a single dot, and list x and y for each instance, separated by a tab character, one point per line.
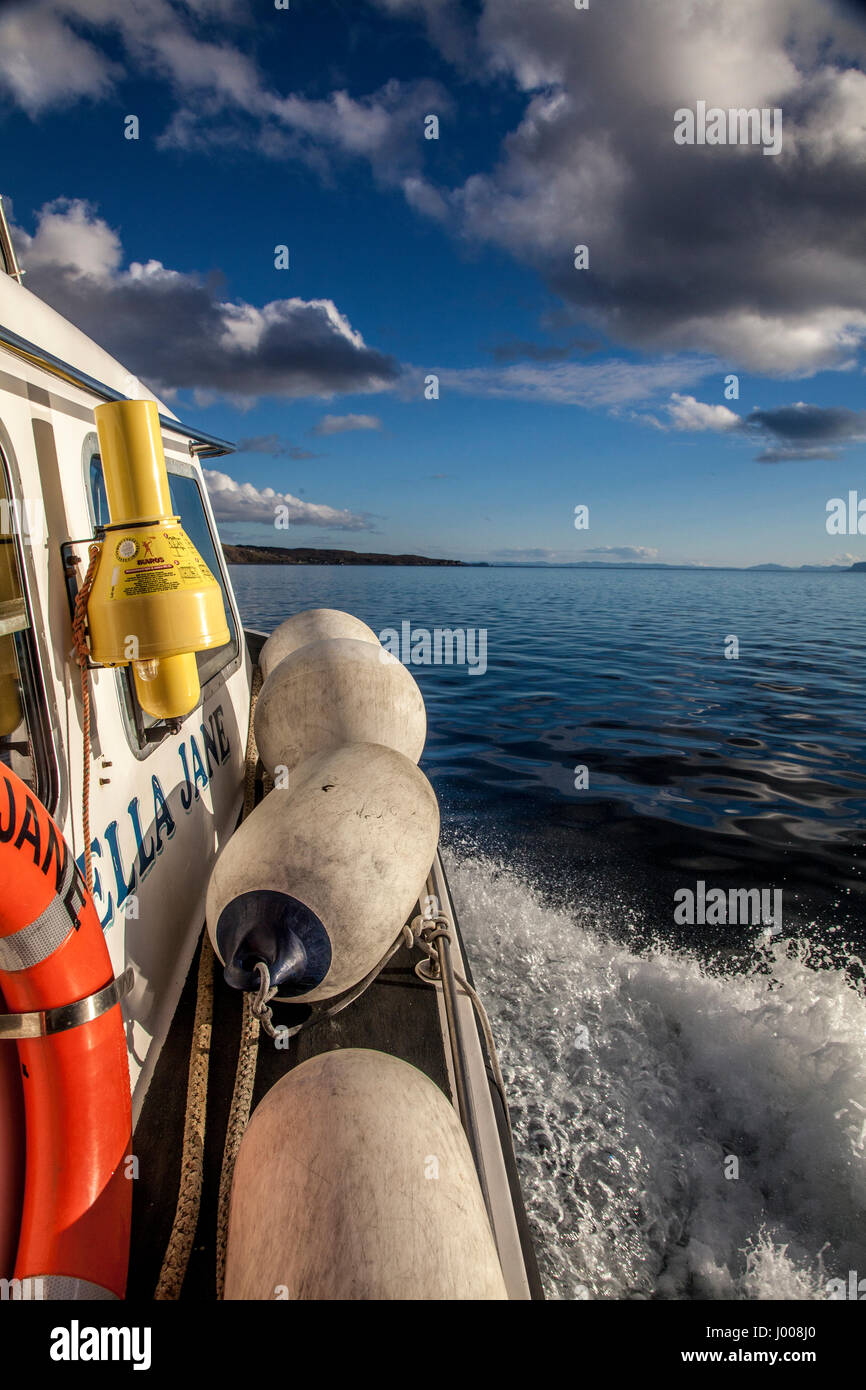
398	1014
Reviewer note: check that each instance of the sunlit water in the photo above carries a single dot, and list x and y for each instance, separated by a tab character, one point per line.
689	1103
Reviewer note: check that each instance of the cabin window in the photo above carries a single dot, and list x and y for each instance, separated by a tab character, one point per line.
186	499
187	503
24	740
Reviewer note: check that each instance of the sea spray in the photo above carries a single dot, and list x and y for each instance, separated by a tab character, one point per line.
634	1080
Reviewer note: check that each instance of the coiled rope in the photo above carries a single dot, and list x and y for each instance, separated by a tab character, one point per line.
425	931
82	652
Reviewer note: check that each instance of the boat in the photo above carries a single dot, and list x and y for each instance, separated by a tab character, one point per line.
140	804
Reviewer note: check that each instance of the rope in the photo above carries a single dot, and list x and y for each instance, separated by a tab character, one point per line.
82	651
252	753
260	997
406	938
179	1249
186	1215
239	1116
260	1001
425	931
245	1073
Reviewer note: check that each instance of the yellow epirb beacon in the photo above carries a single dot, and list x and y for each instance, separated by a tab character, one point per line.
153	602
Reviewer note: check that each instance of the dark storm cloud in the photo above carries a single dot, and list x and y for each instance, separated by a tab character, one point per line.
798	431
809	424
176	332
715	248
794	453
274	446
803	431
712	249
176	335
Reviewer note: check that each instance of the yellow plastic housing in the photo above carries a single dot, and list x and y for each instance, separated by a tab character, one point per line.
154	602
168	687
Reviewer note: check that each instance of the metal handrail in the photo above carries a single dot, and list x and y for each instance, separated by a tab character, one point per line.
7	249
211	446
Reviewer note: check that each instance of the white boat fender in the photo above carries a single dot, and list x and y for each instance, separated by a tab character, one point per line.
313	625
355	1181
333	692
318	881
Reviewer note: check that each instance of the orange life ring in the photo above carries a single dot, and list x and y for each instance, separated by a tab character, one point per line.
75	1220
11	1154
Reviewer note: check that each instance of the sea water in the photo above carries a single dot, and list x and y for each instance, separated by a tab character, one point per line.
688	1101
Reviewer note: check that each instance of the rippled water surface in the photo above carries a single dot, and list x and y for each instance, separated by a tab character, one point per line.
662	1048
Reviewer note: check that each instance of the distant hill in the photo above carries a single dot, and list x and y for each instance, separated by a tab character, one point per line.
661	565
795	569
307	555
283	555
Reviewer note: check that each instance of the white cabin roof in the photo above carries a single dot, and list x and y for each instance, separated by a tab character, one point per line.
23	313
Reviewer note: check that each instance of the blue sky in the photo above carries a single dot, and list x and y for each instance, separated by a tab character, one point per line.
304	127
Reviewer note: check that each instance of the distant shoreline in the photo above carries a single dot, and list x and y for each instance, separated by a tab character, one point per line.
285	555
279	555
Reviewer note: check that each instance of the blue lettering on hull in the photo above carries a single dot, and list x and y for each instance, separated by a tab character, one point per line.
107	848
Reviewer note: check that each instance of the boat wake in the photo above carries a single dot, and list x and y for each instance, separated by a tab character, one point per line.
683	1131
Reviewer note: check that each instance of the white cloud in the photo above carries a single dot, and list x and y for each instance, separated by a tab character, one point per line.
424	198
623	552
687	413
238	502
530	554
50	53
70	234
341	424
794	342
44	63
613	382
544	555
221	95
705	250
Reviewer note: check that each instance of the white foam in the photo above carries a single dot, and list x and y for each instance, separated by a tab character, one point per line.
623	1131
